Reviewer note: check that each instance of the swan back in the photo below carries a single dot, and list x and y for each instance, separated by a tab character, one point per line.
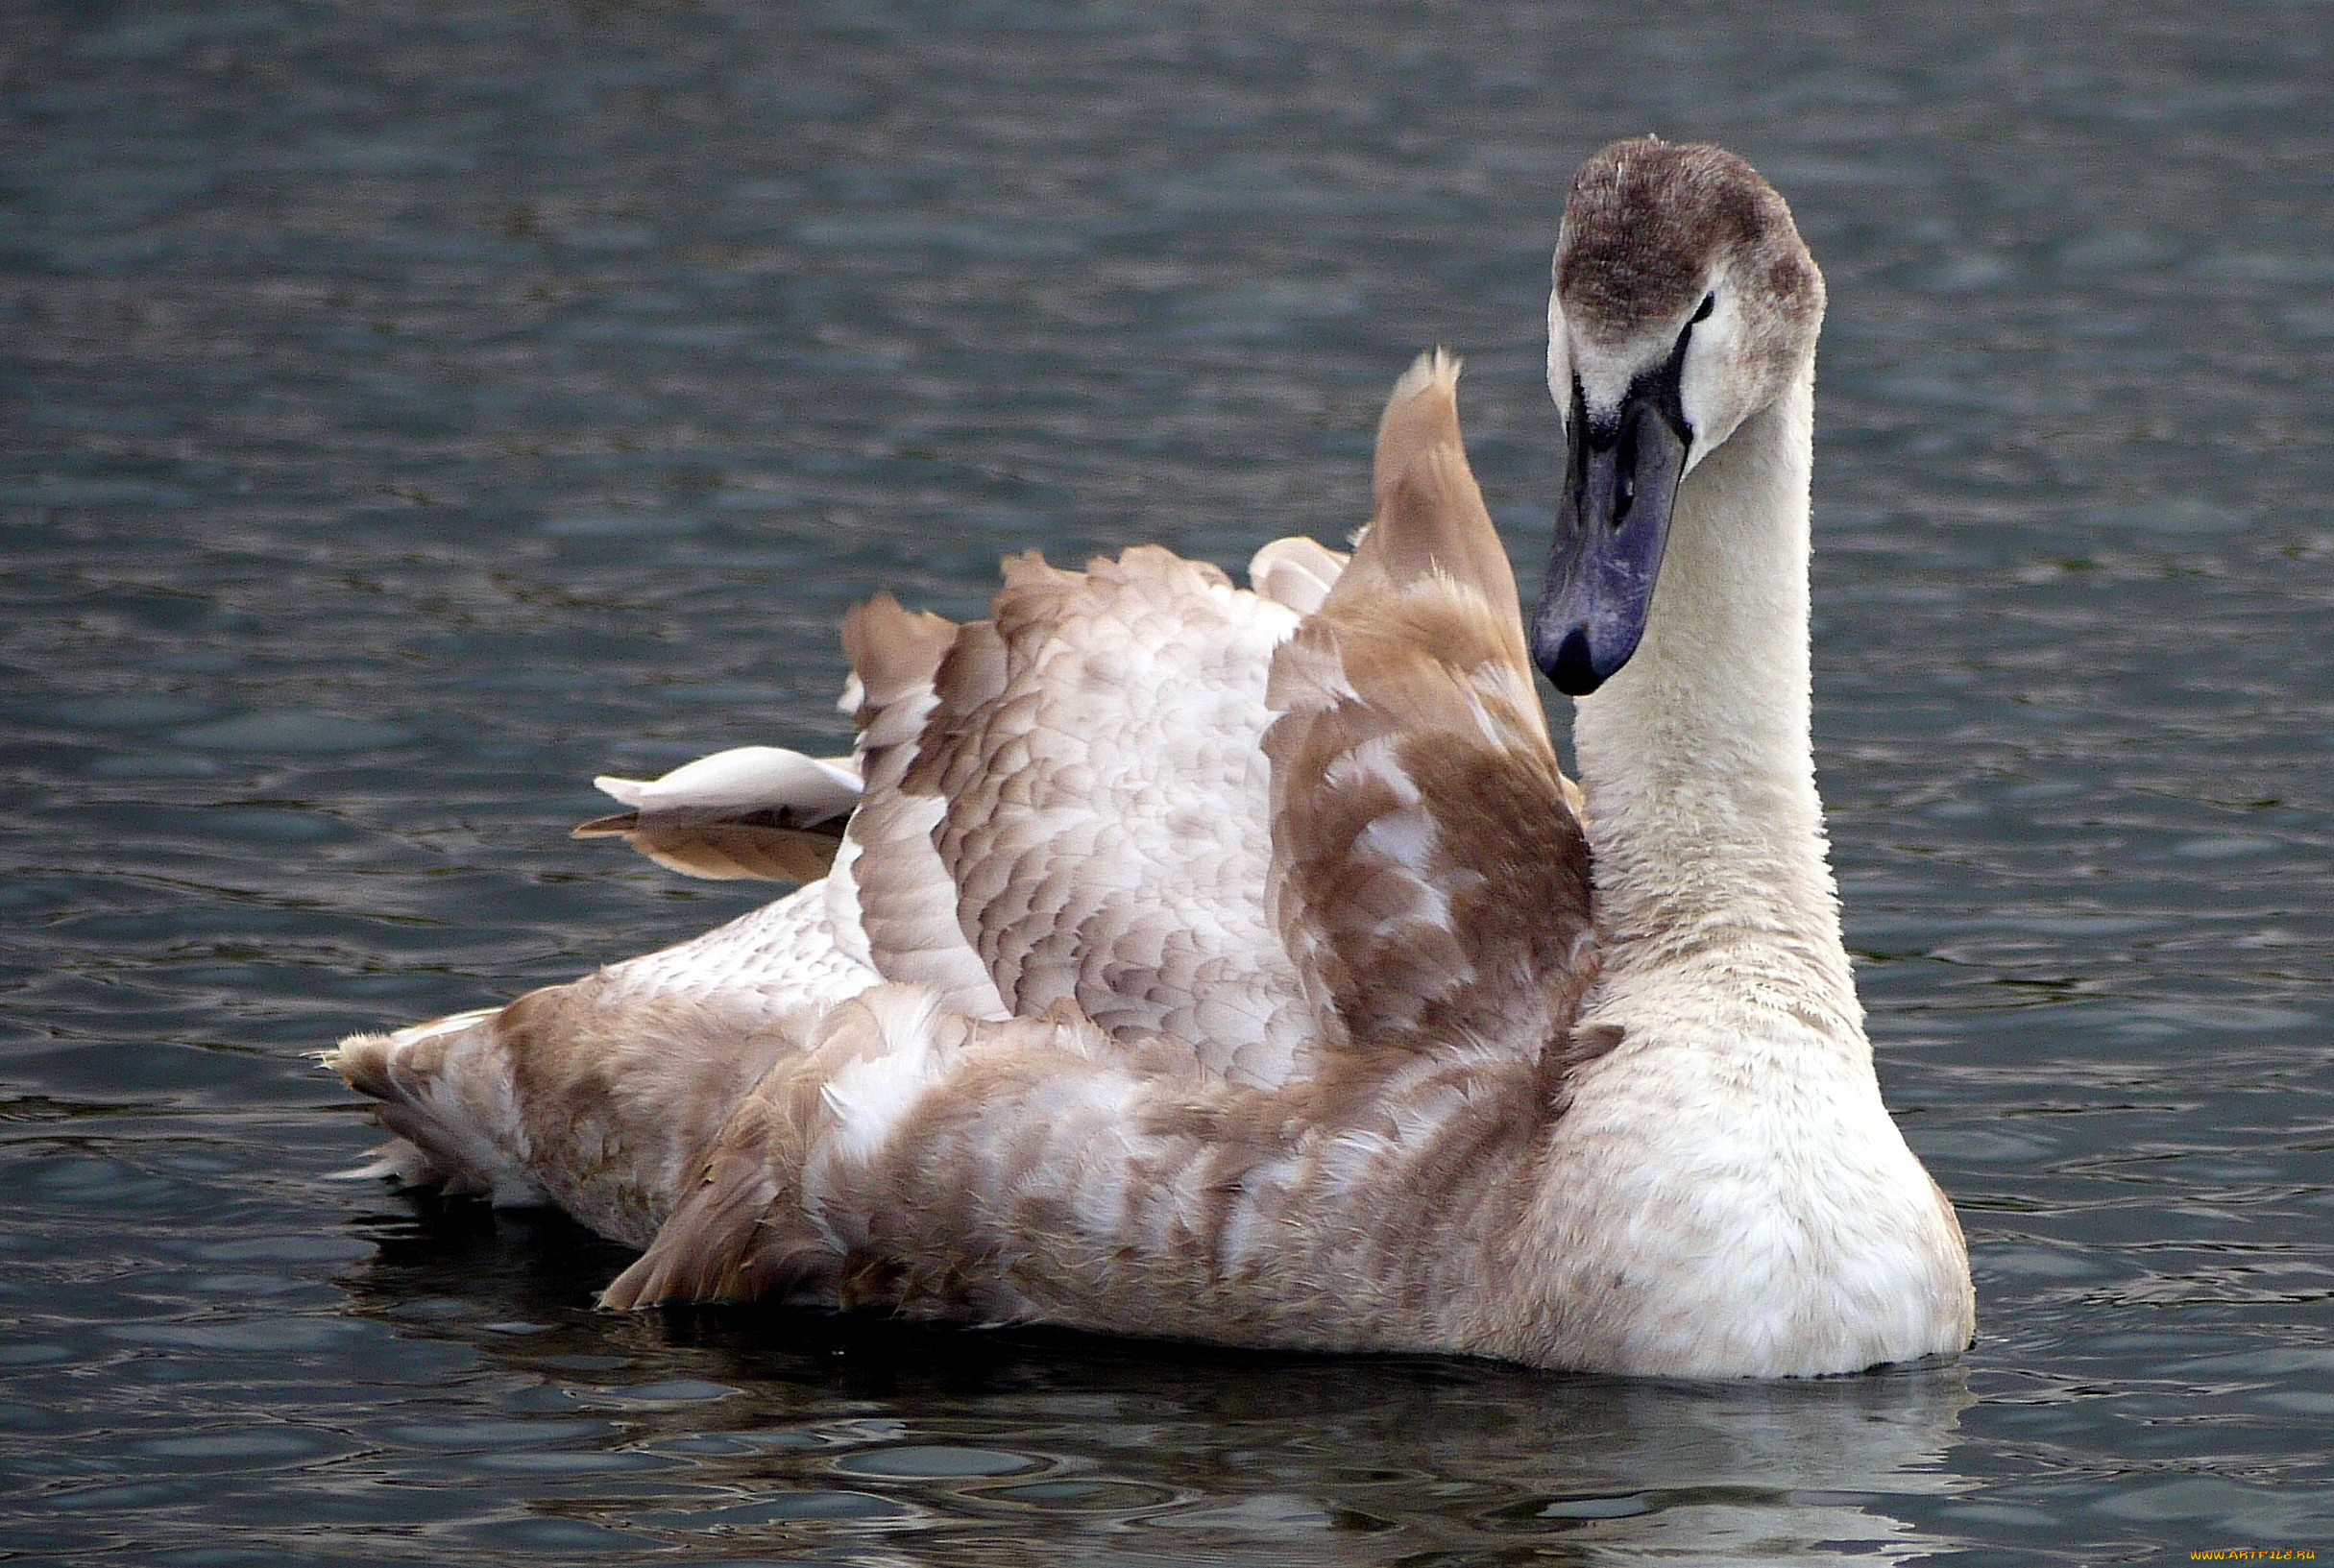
1067	803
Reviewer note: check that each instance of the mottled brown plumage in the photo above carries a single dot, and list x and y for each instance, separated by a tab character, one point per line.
766	846
1430	878
1127	1173
1094	748
1201	1012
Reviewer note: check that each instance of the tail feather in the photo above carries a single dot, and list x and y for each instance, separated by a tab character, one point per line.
593	1096
440	1090
397	1161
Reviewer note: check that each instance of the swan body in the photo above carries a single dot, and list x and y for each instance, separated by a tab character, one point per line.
1237	964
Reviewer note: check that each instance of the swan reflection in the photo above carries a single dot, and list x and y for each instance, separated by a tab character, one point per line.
785	1434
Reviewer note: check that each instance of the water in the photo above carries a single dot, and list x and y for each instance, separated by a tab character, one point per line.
412	410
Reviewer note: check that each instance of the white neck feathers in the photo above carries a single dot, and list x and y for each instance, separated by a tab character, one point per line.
1727	1193
1697	757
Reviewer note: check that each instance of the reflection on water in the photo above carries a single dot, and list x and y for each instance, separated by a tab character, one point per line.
408	412
775	1430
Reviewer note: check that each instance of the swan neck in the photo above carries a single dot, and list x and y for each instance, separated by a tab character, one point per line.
1697	757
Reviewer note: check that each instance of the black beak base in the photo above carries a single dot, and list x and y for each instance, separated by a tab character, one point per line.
1620	488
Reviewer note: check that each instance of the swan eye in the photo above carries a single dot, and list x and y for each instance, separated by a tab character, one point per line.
1709	302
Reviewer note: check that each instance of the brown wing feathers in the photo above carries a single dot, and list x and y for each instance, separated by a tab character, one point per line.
1085	781
1430	878
726	847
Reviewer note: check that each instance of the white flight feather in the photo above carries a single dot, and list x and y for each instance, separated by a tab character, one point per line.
744	779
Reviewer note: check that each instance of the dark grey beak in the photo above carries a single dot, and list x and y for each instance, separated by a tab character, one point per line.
1620	487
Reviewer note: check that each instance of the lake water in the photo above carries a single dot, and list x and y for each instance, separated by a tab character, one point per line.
408	411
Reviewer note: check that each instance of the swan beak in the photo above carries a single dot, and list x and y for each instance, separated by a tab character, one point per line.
1620	486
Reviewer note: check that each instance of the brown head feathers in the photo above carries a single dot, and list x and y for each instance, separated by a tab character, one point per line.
1650	221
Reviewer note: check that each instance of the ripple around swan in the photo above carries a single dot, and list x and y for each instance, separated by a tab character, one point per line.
414	411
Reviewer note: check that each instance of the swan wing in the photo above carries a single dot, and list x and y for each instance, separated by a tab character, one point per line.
1230	839
1296	571
891	888
1068	803
753	811
1430	879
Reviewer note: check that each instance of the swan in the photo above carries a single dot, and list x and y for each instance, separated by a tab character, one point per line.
1239	965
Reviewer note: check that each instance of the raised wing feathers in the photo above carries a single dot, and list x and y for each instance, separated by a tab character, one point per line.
1430	879
1296	571
1088	794
1230	842
889	882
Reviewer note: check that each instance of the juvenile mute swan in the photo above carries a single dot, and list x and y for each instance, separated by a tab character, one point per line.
1237	966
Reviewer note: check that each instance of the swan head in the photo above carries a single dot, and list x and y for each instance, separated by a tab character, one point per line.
1685	303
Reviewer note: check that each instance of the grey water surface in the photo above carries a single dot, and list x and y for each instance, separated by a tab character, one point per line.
409	410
